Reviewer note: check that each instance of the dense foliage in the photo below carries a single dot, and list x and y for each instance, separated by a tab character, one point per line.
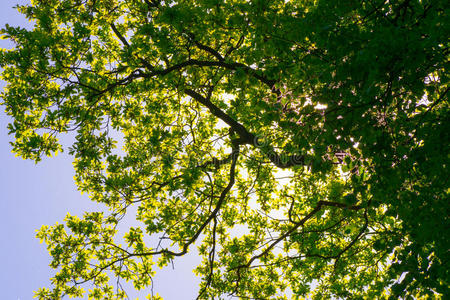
302	146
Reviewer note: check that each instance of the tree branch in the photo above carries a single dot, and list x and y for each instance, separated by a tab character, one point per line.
246	137
316	209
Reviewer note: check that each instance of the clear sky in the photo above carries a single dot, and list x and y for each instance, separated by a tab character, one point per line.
34	195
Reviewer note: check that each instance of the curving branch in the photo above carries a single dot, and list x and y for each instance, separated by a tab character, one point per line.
211	217
320	205
245	136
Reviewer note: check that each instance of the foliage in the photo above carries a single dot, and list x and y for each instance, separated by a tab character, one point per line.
302	146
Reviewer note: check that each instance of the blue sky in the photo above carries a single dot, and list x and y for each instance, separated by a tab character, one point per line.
34	195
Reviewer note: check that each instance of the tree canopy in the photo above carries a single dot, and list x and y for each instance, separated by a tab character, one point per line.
301	146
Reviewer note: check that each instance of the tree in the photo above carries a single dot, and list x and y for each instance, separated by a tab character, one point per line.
302	146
